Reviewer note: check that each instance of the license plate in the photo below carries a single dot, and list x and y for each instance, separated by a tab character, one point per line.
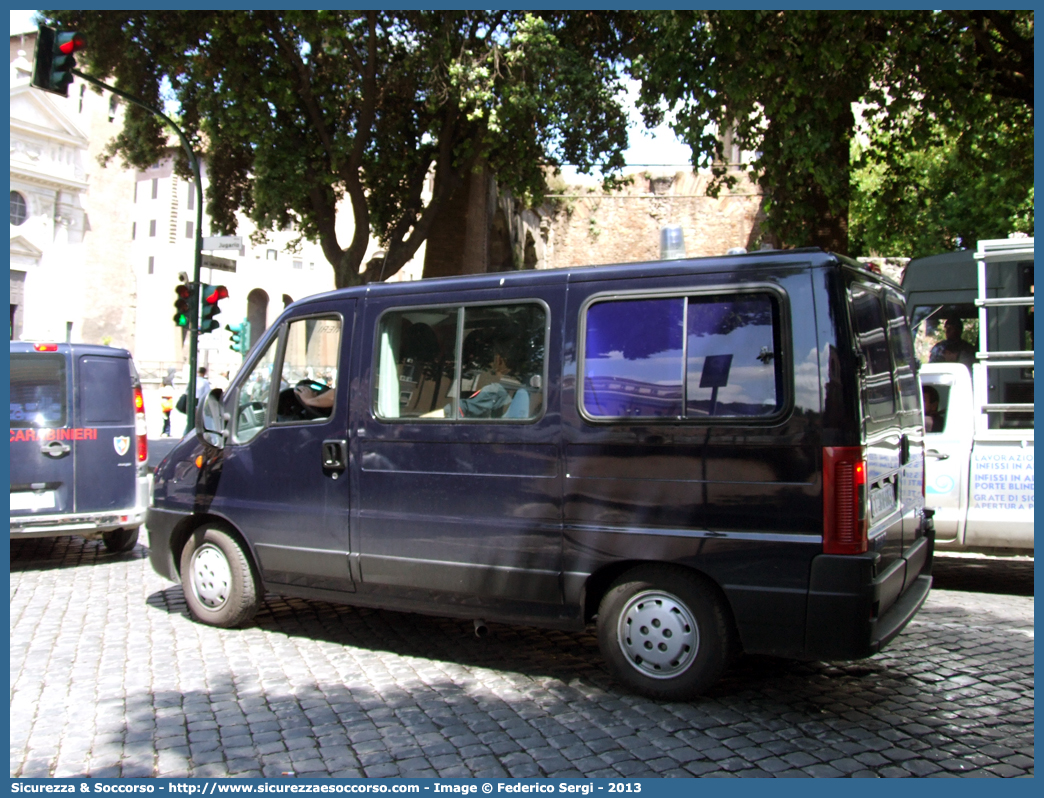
32	500
882	501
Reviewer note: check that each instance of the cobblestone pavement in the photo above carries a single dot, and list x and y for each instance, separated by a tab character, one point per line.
110	677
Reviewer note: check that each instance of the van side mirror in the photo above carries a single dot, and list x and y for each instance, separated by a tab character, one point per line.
212	420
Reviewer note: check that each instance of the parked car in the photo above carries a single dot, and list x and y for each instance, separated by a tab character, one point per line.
701	456
78	446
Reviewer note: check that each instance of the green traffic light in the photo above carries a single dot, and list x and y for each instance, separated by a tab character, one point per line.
240	337
182	304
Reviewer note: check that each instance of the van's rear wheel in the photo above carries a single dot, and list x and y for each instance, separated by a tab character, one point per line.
219	582
664	632
119	541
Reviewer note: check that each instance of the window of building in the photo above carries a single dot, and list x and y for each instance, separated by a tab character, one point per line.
462	363
155	187
190	229
152	228
19	211
298	264
682	357
191	197
135	190
272	255
134	230
152	263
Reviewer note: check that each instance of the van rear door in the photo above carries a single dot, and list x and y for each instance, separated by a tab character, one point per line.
882	432
105	451
42	465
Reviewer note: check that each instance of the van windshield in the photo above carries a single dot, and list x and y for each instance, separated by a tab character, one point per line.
38	394
946	333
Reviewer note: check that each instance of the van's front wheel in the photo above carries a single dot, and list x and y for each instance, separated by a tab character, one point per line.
664	633
219	582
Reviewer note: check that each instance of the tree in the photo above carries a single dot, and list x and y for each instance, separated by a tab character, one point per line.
974	184
785	83
950	155
297	110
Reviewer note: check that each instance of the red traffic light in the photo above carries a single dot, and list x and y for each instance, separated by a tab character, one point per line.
214	294
69	43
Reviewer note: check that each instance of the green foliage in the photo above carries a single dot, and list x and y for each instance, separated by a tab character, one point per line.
298	110
946	99
971	185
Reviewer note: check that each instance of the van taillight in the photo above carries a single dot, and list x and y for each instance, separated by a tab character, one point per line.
45	347
139	425
844	500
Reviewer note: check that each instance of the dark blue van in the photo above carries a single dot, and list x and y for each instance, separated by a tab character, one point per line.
78	445
701	456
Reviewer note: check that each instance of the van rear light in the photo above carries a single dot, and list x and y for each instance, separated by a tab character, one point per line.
139	425
45	347
844	500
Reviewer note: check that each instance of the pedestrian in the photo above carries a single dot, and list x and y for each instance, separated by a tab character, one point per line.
202	384
166	405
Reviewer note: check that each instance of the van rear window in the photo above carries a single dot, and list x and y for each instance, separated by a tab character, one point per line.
105	391
38	395
869	325
693	357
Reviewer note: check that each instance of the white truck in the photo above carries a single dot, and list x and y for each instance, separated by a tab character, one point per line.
972	315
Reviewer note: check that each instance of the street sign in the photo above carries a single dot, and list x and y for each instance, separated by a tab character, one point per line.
218	243
221	264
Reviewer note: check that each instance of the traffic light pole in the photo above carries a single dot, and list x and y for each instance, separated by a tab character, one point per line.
190	405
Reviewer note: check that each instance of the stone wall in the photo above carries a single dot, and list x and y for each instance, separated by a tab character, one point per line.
588	226
579	226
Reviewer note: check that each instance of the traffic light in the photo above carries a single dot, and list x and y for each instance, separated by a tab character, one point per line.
183	304
212	294
240	336
53	63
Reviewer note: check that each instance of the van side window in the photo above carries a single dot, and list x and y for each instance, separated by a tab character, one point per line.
695	357
869	326
254	396
38	395
308	378
476	362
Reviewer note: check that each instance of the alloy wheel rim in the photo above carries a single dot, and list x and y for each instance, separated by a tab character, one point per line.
211	576
658	634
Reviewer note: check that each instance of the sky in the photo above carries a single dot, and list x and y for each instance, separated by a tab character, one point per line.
655	148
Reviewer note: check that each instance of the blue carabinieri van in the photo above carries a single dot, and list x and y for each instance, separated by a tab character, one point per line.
78	446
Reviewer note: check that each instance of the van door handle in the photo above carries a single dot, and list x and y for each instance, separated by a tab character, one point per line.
55	449
335	455
935	453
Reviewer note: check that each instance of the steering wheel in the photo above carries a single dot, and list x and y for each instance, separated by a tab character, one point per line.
292	408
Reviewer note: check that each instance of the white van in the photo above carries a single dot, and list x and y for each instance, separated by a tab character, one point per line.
972	314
